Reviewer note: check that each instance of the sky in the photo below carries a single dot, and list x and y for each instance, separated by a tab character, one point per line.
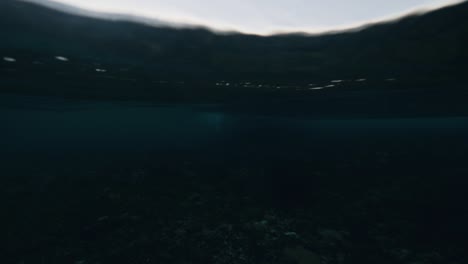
263	16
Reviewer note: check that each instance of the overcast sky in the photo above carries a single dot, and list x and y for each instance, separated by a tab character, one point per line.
263	16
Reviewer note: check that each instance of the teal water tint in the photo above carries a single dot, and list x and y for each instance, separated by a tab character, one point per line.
91	171
102	131
39	127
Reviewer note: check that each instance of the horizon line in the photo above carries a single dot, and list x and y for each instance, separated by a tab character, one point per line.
230	29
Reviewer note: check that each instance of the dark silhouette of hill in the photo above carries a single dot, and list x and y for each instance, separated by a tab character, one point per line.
118	59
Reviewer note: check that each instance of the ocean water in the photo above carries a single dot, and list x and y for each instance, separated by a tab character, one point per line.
125	143
54	128
90	180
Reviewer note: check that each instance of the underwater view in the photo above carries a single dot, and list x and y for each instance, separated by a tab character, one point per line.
123	141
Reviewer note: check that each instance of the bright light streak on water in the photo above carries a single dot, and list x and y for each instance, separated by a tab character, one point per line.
61	58
9	59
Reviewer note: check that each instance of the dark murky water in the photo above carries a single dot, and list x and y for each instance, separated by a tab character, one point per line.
42	126
92	172
331	149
